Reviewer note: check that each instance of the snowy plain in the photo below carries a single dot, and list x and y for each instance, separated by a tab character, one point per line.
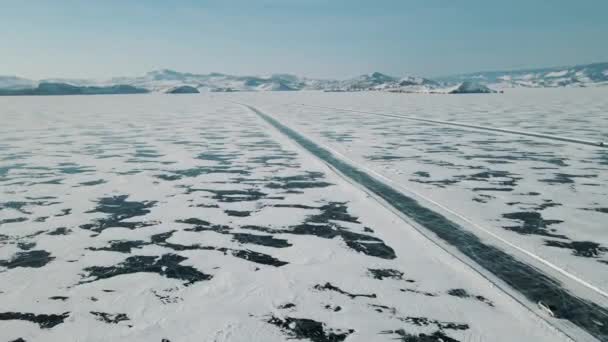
189	218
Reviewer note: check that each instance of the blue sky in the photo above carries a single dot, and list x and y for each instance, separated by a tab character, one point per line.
317	38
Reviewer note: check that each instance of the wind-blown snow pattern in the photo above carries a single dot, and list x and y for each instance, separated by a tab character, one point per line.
155	218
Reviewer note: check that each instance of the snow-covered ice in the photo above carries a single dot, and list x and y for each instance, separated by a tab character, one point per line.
548	197
189	218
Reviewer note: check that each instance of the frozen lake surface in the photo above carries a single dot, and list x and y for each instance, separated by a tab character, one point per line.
191	218
548	197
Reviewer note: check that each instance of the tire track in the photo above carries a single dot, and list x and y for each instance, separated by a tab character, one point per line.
476	127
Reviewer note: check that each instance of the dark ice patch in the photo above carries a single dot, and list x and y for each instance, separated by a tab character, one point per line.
118	210
492	189
297	206
337	137
327	225
168	177
494	177
334	308
564	178
64	212
587	249
51	182
531	193
334	211
308	180
13	220
263	240
442	183
298	185
168	265
480	200
423	174
284	160
462	293
428	294
205	170
423	322
520	155
547	203
146	153
532	222
110	318
237	213
249	255
195	221
303	328
33	259
385	157
437	336
26	246
383	308
44	321
166	297
18	206
230	196
76	169
330	287
60	231
382	273
205	205
220	158
368	245
121	246
94	182
599	210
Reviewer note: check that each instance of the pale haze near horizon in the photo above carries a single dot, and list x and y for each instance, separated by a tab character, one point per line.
338	39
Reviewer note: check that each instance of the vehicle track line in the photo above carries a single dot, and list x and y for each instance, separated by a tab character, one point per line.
477	127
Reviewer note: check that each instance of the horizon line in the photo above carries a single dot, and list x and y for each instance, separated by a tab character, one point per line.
522	69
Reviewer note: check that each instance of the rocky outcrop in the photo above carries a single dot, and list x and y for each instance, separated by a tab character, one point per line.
182	90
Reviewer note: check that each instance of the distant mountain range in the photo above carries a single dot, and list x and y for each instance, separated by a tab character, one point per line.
572	76
48	88
169	81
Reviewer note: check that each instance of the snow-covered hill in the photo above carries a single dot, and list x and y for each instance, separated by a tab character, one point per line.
51	88
13	82
382	82
573	76
470	87
164	80
161	80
